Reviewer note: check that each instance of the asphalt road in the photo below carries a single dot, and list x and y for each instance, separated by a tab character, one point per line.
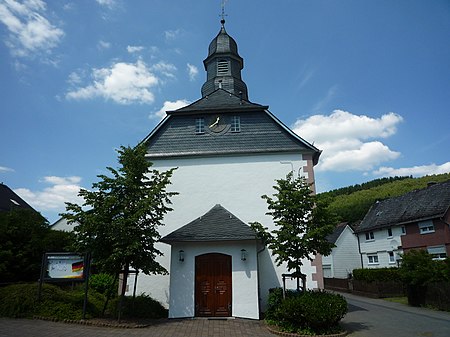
376	317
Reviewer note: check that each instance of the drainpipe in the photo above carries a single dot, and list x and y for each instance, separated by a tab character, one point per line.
359	249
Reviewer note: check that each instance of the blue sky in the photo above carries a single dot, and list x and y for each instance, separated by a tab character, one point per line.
367	81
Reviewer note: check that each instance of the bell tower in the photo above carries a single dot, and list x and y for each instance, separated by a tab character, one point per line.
223	66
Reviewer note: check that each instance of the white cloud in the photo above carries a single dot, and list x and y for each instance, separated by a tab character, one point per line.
192	71
103	45
169	106
124	83
30	33
5	169
134	49
416	171
331	93
53	197
172	34
344	139
107	3
165	68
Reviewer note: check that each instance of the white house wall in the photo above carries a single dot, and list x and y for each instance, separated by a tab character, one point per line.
244	277
345	255
381	245
237	183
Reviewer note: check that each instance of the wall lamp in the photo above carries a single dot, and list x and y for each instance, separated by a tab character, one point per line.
181	255
243	254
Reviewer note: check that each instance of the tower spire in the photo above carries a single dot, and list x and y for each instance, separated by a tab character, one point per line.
223	15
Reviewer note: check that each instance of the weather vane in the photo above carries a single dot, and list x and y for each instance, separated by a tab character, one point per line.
223	15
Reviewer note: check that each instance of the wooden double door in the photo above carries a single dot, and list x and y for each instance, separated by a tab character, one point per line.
213	285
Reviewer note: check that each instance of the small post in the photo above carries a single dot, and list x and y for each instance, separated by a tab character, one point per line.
87	266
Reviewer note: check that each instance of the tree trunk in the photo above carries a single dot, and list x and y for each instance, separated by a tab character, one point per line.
109	293
123	290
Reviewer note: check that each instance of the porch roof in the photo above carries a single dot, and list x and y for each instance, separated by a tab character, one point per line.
218	224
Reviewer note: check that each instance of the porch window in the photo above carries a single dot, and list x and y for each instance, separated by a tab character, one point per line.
426	227
373	259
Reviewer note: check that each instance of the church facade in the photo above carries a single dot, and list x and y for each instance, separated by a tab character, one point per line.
228	152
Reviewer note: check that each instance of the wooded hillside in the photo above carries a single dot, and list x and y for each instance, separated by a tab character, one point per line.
352	203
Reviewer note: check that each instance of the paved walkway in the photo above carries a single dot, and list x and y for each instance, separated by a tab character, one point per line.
170	328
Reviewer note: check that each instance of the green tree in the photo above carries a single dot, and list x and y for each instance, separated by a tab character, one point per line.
302	223
120	224
25	236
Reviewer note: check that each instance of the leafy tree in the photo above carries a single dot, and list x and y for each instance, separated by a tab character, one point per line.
302	224
25	236
120	224
418	268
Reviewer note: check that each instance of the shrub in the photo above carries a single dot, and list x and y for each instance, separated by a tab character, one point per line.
419	268
103	283
142	306
21	301
378	274
309	312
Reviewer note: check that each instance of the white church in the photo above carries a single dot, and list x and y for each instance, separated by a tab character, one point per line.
229	152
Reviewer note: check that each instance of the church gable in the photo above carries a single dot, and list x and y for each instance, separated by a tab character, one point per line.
221	124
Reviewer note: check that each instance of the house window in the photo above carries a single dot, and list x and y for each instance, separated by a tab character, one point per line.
438	252
403	230
200	125
426	227
370	236
391	257
236	124
373	259
389	230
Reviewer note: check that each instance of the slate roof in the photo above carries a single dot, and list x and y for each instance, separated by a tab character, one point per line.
332	238
419	205
217	224
10	200
261	132
218	101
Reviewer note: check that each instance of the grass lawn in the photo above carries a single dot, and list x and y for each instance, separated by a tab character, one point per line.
402	300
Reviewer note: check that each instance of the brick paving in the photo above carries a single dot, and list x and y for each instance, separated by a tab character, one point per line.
170	328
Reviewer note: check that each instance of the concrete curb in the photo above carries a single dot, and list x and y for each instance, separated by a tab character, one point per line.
291	334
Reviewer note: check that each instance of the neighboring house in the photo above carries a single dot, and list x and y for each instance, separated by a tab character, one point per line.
415	220
228	152
345	255
62	225
10	200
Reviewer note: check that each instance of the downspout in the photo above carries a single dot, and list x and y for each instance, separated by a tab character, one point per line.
359	249
259	285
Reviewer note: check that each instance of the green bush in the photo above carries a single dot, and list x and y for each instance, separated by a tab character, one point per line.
103	283
21	301
419	268
378	274
310	312
142	306
18	300
275	299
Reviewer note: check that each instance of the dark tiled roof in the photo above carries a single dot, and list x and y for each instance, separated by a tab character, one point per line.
217	224
10	200
332	238
261	132
428	203
219	100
